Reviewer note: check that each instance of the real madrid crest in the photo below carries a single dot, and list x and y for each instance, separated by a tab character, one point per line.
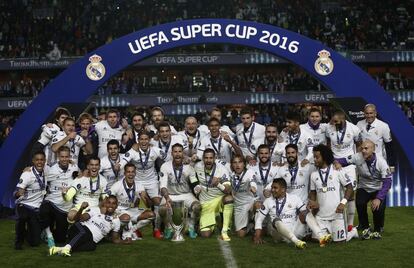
324	65
95	69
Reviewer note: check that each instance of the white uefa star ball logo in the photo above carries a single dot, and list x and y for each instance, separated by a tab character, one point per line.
323	64
95	69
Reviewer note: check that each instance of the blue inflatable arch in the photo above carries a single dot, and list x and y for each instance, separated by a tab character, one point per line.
335	72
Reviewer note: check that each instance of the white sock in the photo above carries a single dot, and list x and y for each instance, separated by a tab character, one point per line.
48	232
313	225
141	224
68	246
350	212
283	230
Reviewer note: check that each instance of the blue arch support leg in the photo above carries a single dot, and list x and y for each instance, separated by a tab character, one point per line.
338	74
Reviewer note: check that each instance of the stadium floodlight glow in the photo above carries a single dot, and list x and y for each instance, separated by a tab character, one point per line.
81	79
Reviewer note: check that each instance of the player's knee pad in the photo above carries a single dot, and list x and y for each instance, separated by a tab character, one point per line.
228	199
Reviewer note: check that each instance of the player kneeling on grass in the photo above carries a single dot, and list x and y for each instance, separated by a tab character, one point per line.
325	195
214	190
128	193
288	216
91	227
175	180
244	192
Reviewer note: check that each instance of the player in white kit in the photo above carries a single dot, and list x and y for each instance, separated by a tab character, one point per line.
129	193
314	127
192	135
166	140
90	189
109	129
68	137
277	148
247	133
216	113
244	191
343	137
175	185
112	168
91	228
54	209
326	197
30	191
221	143
145	158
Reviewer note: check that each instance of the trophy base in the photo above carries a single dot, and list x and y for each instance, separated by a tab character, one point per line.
178	238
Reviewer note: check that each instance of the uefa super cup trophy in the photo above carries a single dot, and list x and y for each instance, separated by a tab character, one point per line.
179	218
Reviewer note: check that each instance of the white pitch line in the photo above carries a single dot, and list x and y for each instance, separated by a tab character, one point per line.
227	254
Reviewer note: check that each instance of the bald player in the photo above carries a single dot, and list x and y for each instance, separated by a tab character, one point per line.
192	135
374	182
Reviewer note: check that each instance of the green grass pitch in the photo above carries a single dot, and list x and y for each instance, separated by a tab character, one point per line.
396	249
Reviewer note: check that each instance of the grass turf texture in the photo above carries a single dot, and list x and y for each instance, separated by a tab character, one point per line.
394	250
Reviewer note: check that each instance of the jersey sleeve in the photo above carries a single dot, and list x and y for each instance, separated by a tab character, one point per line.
263	211
312	183
116	225
58	138
356	133
299	204
344	179
386	135
384	169
24	181
80	141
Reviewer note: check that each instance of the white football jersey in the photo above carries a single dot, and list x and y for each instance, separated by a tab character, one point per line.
343	142
145	163
100	224
127	196
106	133
286	209
224	128
222	148
176	181
241	187
277	150
246	139
89	190
318	135
34	185
208	192
46	137
166	147
370	174
379	133
57	179
297	179
196	141
304	142
329	196
74	145
107	170
263	175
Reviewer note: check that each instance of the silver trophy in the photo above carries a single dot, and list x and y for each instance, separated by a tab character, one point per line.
179	217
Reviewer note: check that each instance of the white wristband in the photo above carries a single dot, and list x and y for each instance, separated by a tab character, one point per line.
344	201
221	187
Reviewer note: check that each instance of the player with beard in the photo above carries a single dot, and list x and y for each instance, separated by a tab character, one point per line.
175	185
214	191
292	134
216	113
112	168
109	129
271	139
314	127
68	137
138	125
158	116
91	228
192	135
90	188
247	133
